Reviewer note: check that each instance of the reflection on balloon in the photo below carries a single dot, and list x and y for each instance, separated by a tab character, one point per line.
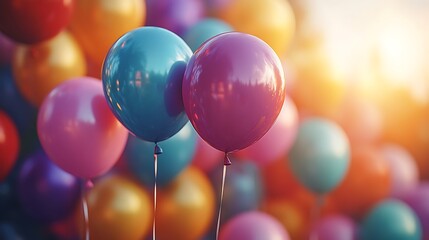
185	207
40	68
334	227
77	129
97	24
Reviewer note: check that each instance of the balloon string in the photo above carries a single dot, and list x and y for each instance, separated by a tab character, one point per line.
156	152
316	214
220	202
85	186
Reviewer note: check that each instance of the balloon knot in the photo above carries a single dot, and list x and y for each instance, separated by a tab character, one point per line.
89	184
226	160
157	150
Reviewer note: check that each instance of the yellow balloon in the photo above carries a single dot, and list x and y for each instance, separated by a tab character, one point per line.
97	24
185	207
271	20
118	209
40	68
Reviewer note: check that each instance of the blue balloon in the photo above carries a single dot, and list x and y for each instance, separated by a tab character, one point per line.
320	156
391	220
204	30
142	81
178	153
243	188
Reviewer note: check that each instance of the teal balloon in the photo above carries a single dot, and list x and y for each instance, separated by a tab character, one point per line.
320	156
391	220
204	30
142	80
178	152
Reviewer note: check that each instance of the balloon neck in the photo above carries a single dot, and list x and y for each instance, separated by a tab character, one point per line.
89	184
157	150
226	160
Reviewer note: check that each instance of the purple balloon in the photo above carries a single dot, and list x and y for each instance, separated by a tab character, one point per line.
334	227
418	200
233	90
174	15
403	169
253	225
7	47
46	192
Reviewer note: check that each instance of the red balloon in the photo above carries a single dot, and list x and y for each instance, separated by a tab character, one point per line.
34	21
9	144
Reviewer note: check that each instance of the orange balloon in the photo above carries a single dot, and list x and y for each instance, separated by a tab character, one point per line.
118	209
185	207
97	24
41	67
366	183
271	20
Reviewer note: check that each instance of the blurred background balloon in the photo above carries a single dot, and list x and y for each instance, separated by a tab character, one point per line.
77	129
118	209
175	15
46	192
403	169
319	157
9	144
272	21
7	47
206	157
252	226
203	30
278	140
230	102
186	207
33	22
391	220
367	182
41	67
418	200
178	153
142	77
98	24
243	188
334	227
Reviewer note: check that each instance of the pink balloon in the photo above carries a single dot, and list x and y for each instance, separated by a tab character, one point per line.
334	227
253	225
77	129
7	47
278	140
403	169
233	90
206	157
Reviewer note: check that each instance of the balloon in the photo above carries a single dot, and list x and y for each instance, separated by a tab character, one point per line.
243	189
178	153
32	22
270	20
253	225
366	183
77	129
334	227
418	200
278	140
46	192
97	24
9	144
204	30
174	15
391	220
403	169
319	158
7	47
142	77
233	90
206	158
185	207
40	68
118	209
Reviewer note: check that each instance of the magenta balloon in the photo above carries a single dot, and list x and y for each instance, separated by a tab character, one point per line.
334	227
7	48
77	129
278	140
206	157
403	169
253	225
418	200
233	90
